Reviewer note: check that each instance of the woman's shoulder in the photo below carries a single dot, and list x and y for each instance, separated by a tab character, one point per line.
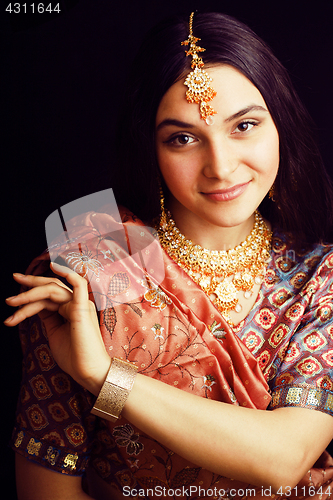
300	267
286	248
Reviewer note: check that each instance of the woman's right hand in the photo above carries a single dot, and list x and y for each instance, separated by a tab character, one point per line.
71	324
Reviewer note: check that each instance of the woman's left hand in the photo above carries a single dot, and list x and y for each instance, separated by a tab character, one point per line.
71	324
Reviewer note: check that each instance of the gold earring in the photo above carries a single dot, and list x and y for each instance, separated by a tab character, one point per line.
163	218
271	193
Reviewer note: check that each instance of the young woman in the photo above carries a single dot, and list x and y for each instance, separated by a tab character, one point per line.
242	322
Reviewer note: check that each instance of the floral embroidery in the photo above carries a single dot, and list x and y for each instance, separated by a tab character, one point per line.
278	335
125	478
40	388
330	331
124	436
279	298
278	245
298	280
263	359
76	434
293	352
37	417
232	396
265	318
155	295
295	311
218	332
209	381
285	264
308	367
158	331
324	313
105	438
253	341
270	278
115	459
314	341
44	356
82	262
108	255
311	287
58	412
78	404
282	352
54	438
328	357
61	383
102	466
133	462
284	379
325	383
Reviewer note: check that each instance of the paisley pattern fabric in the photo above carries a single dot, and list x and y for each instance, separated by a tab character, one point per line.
280	355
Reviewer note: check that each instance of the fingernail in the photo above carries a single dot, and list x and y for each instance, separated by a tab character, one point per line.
10	298
19	275
8	320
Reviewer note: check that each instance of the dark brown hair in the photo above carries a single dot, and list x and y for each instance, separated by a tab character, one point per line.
303	189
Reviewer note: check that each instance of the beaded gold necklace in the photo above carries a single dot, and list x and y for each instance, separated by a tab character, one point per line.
220	274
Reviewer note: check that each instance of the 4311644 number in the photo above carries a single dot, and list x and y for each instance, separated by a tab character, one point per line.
33	8
305	491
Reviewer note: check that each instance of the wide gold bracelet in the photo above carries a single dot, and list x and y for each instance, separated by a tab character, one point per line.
115	390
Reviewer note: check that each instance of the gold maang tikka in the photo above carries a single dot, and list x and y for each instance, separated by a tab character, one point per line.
198	81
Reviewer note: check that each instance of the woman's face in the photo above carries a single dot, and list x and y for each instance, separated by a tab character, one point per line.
217	174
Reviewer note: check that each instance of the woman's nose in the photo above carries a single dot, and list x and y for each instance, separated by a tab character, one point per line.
220	161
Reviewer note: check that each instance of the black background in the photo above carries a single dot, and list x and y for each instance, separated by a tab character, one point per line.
61	81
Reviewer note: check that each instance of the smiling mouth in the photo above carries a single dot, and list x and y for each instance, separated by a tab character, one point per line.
227	194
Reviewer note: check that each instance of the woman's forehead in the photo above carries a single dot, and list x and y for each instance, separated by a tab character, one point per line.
234	92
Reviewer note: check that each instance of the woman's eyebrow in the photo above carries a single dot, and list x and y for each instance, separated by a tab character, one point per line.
251	107
171	121
181	124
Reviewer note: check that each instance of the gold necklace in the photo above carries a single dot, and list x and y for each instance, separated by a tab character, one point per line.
221	274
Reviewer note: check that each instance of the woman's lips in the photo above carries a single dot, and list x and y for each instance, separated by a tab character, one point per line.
227	194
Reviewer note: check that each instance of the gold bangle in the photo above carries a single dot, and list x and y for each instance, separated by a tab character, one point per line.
115	390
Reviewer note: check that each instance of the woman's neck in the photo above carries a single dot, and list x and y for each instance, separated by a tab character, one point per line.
202	232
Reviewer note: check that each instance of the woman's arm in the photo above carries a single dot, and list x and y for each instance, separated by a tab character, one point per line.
265	448
34	482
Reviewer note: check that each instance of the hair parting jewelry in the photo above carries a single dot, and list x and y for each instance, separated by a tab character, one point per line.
220	274
198	81
115	390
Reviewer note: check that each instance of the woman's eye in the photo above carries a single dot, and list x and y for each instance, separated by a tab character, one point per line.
245	126
181	140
